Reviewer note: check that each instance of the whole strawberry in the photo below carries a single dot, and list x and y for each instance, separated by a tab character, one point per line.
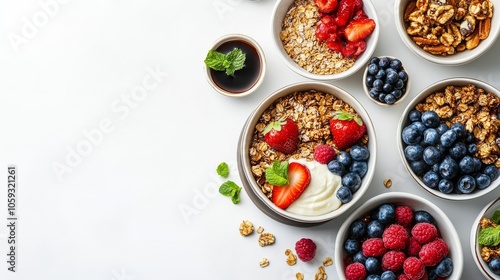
282	135
347	129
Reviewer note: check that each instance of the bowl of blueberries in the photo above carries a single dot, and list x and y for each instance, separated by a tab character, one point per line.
448	138
386	80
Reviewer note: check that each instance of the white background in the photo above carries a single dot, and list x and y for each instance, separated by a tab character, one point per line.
141	203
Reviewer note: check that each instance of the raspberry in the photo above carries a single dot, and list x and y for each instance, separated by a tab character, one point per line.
424	232
355	271
404	215
393	260
373	247
433	252
413	247
413	268
324	154
306	249
403	277
395	237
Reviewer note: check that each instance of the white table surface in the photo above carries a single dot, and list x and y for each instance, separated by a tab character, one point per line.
142	202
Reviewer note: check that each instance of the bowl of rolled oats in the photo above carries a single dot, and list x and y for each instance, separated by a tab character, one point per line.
449	138
447	32
325	40
484	241
307	153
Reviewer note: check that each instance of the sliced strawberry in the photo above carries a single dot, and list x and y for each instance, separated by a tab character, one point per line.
298	180
348	50
360	14
335	46
282	135
326	32
328	20
358	46
326	6
358	5
344	12
346	129
359	29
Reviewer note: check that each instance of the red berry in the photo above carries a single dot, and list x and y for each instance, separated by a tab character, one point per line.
413	268
324	154
373	247
282	135
413	247
403	277
424	232
344	12
404	215
306	249
395	237
433	252
359	29
326	6
299	178
355	271
393	260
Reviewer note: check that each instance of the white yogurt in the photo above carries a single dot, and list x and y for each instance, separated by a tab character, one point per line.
320	196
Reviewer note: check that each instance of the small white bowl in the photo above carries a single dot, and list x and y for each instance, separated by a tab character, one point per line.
259	63
280	10
458	58
445	226
420	97
475	248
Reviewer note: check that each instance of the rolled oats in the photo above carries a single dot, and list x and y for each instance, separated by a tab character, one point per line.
266	239
260	230
264	262
246	228
327	261
387	183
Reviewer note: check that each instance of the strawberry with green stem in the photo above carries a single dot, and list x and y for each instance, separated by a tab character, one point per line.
282	135
346	129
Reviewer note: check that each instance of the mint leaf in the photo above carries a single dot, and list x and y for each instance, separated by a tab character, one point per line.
489	236
215	60
231	189
236	196
277	174
230	62
237	59
223	170
496	217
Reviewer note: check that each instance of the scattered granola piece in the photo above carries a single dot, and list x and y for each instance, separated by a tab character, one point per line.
260	230
291	257
299	276
246	228
327	261
264	262
321	274
266	238
387	183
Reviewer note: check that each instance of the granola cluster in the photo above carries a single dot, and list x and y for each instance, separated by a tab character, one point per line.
476	109
489	252
300	43
312	111
445	27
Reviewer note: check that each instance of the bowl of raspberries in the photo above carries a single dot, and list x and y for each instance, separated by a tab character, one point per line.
386	80
449	138
398	236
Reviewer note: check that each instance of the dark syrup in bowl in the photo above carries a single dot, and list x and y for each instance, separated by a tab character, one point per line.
243	79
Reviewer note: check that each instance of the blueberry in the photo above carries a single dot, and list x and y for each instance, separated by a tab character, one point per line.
352	181
387	88
448	168
396	64
444	268
441	128
448	138
374	60
403	75
469	138
431	155
422	216
359	257
431	136
381	97
386	213
431	179
420	126
384	62
388	275
373	277
494	265
472	149
372	265
359	152
446	186
357	229
344	158
390	99
373	93
458	150
351	246
478	164
419	167
359	167
380	74
466	184
482	181
399	84
466	165
372	68
492	172
378	84
459	130
397	93
430	119
391	77
369	81
375	228
344	194
411	135
414	115
336	167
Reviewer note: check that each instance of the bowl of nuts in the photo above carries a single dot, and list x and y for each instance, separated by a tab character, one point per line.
448	138
307	153
325	39
396	234
484	240
447	32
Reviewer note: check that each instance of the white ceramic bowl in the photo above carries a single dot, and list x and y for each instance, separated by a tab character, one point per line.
245	141
456	59
420	97
281	8
475	248
445	226
255	48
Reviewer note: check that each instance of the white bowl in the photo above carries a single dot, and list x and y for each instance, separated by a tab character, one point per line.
445	226
253	189
458	58
475	248
439	86
281	8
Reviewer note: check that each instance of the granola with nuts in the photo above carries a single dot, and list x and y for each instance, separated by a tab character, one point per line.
266	239
246	228
488	237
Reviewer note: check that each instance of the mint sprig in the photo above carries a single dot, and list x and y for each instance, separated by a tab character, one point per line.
231	189
489	236
223	170
496	217
230	62
277	174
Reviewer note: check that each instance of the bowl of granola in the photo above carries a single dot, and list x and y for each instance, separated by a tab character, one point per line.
447	32
394	234
307	153
449	137
325	39
484	240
